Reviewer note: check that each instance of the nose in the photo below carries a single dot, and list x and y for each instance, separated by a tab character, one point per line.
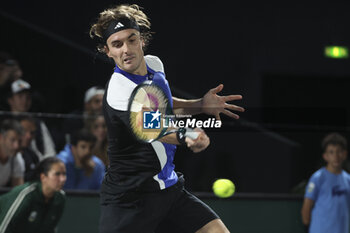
126	48
88	151
15	145
63	178
27	135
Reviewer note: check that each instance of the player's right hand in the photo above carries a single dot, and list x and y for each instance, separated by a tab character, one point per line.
199	144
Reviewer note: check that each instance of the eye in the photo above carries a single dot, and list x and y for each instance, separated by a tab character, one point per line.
60	173
117	44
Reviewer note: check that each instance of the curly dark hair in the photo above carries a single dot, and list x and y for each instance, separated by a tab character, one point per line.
334	139
132	12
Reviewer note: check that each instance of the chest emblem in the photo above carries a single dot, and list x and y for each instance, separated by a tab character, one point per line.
32	216
338	191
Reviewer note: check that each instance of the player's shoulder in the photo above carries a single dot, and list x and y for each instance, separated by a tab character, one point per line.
346	175
319	175
59	198
24	191
154	63
118	91
98	162
66	155
21	195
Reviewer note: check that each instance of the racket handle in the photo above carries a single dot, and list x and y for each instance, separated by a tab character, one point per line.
191	133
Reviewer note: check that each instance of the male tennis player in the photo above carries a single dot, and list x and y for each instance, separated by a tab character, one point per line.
141	192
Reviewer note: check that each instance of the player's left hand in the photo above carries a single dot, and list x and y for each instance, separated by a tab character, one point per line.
199	144
213	104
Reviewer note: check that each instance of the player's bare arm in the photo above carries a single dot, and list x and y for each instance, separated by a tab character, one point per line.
306	210
196	145
200	144
211	104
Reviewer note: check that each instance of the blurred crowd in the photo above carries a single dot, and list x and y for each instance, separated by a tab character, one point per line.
26	139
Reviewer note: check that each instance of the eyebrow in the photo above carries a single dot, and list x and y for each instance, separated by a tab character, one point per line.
116	41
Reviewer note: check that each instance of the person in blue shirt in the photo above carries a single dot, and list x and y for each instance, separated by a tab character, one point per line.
327	196
84	170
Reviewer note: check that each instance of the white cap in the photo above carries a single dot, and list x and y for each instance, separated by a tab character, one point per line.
91	92
19	85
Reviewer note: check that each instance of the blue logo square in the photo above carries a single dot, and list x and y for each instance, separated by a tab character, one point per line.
151	120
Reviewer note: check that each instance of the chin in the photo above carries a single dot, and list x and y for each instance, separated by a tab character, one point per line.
130	67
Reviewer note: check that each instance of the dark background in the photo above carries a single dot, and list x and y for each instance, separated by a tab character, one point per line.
271	55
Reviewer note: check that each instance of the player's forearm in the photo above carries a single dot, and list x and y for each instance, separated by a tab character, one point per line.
306	216
187	107
170	139
306	211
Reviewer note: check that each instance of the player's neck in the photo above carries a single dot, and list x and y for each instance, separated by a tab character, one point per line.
334	170
142	69
48	193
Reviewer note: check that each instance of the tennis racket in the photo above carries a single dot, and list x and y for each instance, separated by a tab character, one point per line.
150	114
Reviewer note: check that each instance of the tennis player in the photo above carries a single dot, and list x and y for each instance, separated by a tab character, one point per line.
141	192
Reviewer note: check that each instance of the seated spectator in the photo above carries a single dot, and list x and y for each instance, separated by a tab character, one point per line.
84	170
30	158
35	206
9	68
9	72
97	126
92	106
20	101
11	165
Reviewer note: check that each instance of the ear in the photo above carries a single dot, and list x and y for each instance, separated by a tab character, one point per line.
324	156
143	44
107	50
42	177
74	149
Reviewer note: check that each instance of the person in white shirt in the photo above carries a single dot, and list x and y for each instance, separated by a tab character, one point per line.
20	101
11	164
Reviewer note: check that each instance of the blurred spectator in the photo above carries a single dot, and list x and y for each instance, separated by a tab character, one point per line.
9	72
11	165
20	101
93	100
97	126
9	68
30	158
84	170
35	206
326	204
92	106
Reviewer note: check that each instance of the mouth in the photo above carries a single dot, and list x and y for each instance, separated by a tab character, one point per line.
128	60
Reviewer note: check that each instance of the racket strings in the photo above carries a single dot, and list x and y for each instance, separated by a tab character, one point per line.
148	98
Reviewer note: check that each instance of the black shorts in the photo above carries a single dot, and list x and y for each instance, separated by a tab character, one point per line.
167	211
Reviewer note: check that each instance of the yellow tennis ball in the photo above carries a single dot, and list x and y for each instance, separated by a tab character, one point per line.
224	188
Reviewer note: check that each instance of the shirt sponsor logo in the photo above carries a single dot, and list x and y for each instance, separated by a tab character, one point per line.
311	187
337	191
32	216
